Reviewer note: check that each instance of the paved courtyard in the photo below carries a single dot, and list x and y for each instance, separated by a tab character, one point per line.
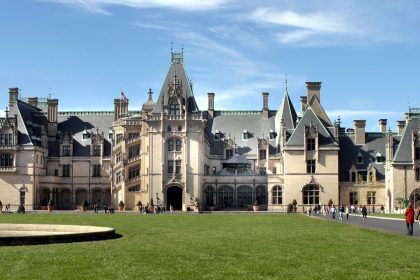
393	225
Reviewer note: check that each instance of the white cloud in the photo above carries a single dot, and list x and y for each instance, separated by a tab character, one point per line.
97	6
357	113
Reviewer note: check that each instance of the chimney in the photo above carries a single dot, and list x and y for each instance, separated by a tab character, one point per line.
33	101
303	102
52	117
210	109
382	125
359	132
314	88
265	105
13	96
117	109
401	126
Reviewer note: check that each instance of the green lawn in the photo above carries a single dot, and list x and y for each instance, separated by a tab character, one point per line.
213	246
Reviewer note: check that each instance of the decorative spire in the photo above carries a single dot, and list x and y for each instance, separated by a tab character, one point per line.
150	94
285	83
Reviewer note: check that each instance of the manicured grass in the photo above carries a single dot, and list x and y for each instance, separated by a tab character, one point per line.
213	246
399	216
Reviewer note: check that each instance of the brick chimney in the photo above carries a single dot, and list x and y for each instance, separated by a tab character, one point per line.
314	88
401	126
265	105
210	107
359	132
382	125
33	101
13	96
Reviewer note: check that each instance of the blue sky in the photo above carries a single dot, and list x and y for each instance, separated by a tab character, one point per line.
83	52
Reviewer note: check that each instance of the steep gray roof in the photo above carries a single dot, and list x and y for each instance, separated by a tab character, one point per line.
76	123
176	70
405	148
233	123
375	143
286	112
324	136
30	123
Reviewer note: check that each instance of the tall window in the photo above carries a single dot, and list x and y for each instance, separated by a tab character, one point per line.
277	195
362	175
96	150
371	198
310	144
311	194
179	127
174	109
96	170
170	166
119	137
6	139
133	151
171	145
209	194
178	145
229	153
354	198
133	171
66	170
261	194
119	177
244	196
262	154
225	196
274	170
133	135
177	166
66	150
310	166
168	128
6	160
417	153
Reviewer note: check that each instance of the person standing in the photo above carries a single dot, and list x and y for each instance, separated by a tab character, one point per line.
341	212
364	212
347	212
332	211
409	219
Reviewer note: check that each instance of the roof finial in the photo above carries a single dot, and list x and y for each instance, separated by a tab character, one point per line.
285	83
150	93
172	46
182	48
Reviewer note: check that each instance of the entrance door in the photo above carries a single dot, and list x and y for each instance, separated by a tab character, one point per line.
174	197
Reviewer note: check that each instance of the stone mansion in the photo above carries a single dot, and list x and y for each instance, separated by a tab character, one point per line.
172	153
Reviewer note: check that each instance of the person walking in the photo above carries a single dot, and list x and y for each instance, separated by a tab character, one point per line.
364	212
409	219
332	211
341	212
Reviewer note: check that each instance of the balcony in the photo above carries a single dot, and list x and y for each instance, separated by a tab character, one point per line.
133	159
8	169
133	180
132	140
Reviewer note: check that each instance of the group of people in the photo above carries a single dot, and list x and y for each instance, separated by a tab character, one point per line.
410	216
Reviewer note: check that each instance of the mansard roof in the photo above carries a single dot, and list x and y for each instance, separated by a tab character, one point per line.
297	138
375	142
176	76
404	153
232	124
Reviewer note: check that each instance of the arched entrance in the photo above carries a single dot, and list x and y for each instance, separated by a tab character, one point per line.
415	197
174	197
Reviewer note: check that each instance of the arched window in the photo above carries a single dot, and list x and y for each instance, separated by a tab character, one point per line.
261	194
311	194
277	195
209	195
178	145
244	196
225	196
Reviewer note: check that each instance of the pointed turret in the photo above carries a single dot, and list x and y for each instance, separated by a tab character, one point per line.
286	112
176	94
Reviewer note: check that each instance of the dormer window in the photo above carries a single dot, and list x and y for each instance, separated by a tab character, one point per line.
272	135
217	135
310	144
110	134
66	150
245	135
174	109
378	158
85	135
359	158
